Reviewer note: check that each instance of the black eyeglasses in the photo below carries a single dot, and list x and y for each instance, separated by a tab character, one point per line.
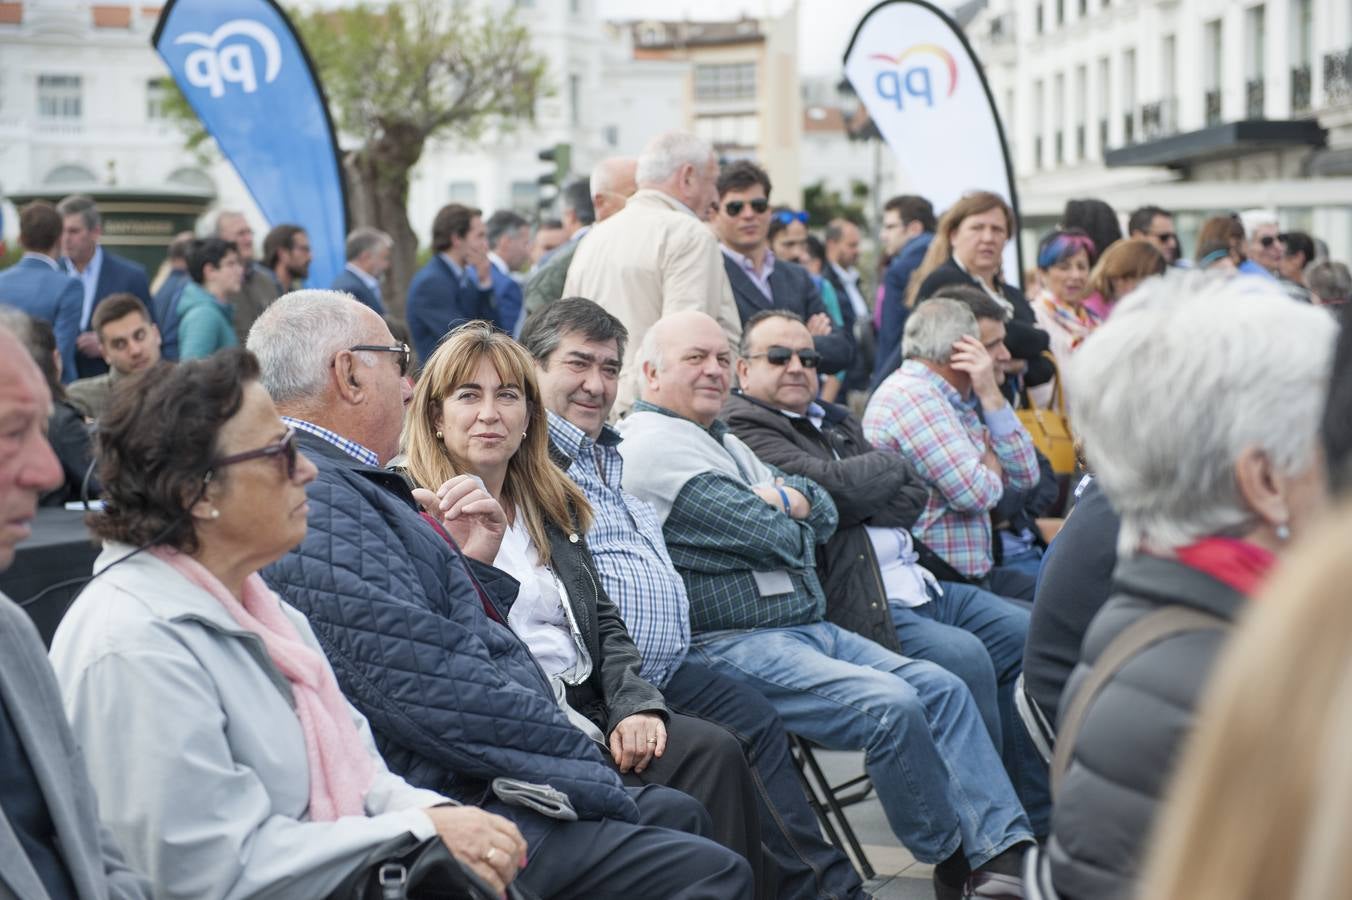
285	448
788	216
735	207
780	356
405	354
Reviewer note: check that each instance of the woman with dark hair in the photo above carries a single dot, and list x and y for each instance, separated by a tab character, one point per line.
477	415
67	430
228	763
967	249
1095	218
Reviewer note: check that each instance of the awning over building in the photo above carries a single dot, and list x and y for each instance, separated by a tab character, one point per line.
1219	142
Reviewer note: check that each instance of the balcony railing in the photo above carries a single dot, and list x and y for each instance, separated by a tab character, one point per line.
1128	128
1213	106
1338	77
1159	119
1254	96
1300	88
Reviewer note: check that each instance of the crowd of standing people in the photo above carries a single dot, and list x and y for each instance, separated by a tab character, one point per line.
525	591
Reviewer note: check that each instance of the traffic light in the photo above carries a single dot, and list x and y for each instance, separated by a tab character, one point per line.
552	182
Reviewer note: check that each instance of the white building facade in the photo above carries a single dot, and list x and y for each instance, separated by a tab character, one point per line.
1198	106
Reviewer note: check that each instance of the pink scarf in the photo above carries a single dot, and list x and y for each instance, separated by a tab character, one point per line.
341	771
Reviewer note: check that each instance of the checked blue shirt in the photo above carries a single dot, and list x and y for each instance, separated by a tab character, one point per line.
351	448
626	543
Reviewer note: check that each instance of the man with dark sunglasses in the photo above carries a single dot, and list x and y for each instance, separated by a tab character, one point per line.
759	280
1155	225
1262	247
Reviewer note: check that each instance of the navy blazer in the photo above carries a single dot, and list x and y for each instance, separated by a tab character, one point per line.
438	302
51	295
793	291
510	301
349	283
164	310
117	275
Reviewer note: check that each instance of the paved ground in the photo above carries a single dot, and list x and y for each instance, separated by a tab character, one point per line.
899	876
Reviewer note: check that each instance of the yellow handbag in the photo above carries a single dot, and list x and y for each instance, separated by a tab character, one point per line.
1050	428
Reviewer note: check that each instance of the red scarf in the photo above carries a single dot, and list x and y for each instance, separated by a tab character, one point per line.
1231	561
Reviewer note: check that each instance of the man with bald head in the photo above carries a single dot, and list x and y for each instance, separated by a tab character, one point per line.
656	256
611	185
743	536
53	845
259	288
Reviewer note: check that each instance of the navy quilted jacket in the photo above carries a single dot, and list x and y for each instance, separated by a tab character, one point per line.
454	698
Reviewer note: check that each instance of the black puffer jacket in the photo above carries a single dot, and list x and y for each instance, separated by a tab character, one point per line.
1133	730
614	691
869	487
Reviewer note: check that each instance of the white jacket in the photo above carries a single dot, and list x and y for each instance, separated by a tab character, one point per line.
195	749
650	259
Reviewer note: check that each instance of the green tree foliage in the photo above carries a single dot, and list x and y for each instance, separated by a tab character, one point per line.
823	205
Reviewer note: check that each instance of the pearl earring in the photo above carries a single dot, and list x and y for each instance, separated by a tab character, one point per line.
1283	532
439	435
215	513
523	433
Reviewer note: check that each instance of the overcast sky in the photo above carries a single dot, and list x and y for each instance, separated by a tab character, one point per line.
824	26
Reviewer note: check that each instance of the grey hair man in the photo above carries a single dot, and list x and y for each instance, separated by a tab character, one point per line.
53	845
1330	283
1263	246
656	256
100	272
368	259
611	185
943	411
390	594
508	253
258	288
1199	406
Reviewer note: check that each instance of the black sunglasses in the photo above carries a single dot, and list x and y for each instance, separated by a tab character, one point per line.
735	207
285	448
1267	240
1167	237
405	354
780	356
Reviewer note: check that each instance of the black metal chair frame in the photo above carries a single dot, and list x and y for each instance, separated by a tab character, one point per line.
829	801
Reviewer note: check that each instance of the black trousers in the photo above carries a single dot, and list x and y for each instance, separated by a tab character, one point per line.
665	856
707	763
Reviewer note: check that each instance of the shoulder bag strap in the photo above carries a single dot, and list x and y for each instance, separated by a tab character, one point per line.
1148	630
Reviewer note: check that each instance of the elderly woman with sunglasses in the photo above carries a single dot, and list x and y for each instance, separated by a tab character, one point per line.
227	761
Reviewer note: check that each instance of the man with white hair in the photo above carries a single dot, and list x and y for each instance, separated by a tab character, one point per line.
368	258
656	256
1262	247
611	185
743	537
943	411
415	628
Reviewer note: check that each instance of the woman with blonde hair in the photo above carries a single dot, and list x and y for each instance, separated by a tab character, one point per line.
477	416
1261	805
1122	267
968	246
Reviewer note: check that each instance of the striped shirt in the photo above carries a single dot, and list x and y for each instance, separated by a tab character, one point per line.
351	448
922	417
626	543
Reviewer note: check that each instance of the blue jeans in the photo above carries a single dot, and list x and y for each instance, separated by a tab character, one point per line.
980	638
808	865
926	749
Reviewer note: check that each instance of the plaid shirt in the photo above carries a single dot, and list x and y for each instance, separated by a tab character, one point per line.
351	448
922	417
720	533
626	542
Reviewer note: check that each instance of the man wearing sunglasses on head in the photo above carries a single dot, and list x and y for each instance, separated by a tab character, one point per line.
759	280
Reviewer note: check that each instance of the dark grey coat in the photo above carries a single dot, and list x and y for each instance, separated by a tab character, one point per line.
869	487
1134	729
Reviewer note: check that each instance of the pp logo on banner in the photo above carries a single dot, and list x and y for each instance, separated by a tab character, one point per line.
898	84
219	63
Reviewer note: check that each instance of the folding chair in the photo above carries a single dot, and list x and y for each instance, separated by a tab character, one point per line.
828	801
1039	729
